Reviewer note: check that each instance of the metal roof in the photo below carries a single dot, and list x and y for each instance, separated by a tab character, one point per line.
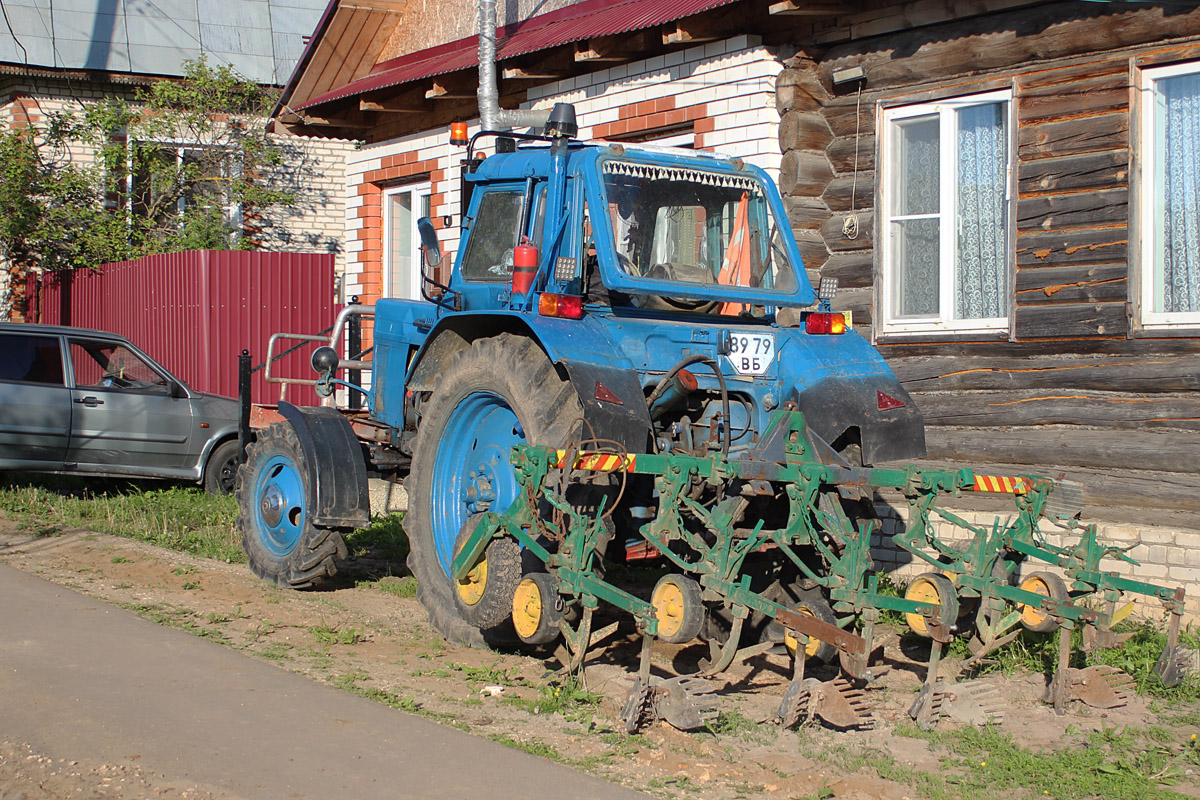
574	23
261	39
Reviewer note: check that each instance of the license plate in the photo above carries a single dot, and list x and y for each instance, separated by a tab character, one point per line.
751	353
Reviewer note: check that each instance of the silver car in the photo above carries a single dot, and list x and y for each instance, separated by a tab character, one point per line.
75	400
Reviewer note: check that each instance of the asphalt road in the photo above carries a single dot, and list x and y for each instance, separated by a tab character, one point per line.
81	678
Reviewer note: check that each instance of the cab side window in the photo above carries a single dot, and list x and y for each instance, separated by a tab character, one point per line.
489	255
31	359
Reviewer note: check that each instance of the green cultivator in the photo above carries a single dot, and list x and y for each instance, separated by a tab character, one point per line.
789	512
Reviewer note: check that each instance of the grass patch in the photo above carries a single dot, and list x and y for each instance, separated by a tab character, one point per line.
567	697
534	748
326	634
392	584
384	539
349	681
178	517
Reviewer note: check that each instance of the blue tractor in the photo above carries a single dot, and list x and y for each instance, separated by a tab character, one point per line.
617	298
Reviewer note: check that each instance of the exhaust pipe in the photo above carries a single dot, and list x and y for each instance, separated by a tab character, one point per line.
491	116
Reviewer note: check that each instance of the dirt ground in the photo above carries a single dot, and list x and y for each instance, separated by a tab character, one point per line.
361	637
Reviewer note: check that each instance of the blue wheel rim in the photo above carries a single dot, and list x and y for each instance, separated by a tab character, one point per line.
279	504
471	472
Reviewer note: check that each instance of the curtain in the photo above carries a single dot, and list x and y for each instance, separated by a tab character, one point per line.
981	290
917	240
1180	138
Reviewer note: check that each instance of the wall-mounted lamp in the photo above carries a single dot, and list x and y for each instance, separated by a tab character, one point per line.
847	75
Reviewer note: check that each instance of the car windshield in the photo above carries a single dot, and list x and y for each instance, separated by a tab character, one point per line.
694	226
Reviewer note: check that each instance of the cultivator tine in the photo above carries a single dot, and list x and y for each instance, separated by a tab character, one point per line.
638	710
796	705
1100	686
973	703
1096	638
1174	665
1175	662
926	709
839	704
685	702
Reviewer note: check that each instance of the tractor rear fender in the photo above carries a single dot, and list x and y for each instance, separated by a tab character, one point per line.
605	380
336	479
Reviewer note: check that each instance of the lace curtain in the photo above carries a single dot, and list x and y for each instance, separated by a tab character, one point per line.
917	248
980	287
1181	194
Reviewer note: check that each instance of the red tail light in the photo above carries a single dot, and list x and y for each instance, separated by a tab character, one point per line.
886	401
565	306
822	322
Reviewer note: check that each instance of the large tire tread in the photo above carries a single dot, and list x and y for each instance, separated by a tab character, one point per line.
516	368
315	558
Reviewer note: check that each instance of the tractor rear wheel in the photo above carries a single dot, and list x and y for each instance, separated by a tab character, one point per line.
281	543
497	393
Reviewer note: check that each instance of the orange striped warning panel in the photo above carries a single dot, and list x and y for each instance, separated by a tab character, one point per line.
1001	483
599	462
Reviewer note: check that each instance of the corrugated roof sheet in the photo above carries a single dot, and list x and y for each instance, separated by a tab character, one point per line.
572	24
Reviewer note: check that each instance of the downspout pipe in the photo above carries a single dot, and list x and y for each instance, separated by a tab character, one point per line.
491	116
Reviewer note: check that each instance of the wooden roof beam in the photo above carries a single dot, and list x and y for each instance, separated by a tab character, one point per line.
686	31
393	107
293	120
617	49
445	90
807	8
522	74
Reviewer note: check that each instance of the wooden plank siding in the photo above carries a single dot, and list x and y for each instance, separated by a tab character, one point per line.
1072	388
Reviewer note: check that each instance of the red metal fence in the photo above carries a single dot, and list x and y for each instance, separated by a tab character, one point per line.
194	312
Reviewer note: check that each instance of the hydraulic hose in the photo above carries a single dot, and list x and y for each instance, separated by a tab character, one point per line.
716	369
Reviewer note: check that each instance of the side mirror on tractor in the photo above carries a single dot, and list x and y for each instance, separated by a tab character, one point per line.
430	245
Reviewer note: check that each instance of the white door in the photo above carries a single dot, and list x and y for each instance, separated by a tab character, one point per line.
402	207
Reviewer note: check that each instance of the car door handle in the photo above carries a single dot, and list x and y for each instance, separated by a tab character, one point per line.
89	401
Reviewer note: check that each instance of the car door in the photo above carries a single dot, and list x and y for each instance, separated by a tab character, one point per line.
35	405
125	419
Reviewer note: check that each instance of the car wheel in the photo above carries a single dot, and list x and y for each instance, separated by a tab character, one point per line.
220	473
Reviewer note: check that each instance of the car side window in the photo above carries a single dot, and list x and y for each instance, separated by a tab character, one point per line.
30	359
110	365
489	254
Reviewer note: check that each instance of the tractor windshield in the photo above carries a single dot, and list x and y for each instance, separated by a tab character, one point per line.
694	226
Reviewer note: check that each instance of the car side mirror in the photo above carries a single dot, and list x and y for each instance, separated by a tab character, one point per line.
175	389
430	245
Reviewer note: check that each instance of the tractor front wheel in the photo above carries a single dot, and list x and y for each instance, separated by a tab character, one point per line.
281	543
497	393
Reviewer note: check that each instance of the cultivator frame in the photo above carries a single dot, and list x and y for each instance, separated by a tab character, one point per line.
709	542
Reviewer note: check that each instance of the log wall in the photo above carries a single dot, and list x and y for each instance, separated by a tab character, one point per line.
1075	388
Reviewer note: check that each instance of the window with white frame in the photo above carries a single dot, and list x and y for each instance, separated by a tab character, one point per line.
946	215
1169	196
171	181
402	207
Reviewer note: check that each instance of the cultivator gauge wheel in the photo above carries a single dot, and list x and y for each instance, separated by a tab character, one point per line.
1100	686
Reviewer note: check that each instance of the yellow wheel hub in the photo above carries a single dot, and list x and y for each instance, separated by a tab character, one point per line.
471	587
527	608
668	608
1030	616
813	644
922	590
